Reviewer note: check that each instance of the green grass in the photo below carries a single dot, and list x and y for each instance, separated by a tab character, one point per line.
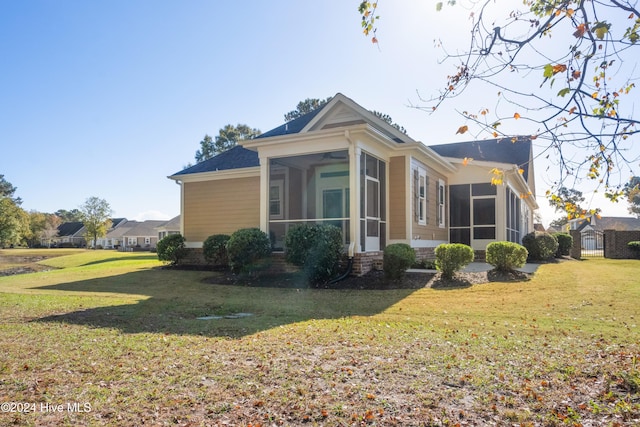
117	332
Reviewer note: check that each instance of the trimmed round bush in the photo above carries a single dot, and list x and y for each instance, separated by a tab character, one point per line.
317	248
541	246
214	249
171	249
506	256
397	258
565	243
635	247
246	247
451	257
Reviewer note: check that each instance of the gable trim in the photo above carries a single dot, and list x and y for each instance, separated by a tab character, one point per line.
217	175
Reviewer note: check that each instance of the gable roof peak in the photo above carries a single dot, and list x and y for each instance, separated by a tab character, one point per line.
330	116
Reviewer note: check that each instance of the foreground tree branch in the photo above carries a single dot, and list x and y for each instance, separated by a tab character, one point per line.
584	56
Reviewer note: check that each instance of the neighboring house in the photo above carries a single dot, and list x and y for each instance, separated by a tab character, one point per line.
70	234
140	235
108	241
342	165
592	227
169	227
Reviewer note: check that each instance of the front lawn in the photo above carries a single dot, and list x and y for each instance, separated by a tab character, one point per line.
112	339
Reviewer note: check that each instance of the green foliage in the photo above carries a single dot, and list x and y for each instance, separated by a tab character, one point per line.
506	256
425	264
8	190
565	242
171	249
397	258
14	222
451	257
304	107
246	247
227	138
96	215
632	192
541	246
214	249
317	248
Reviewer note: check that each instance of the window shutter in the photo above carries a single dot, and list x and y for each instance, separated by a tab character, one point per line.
416	194
426	198
438	203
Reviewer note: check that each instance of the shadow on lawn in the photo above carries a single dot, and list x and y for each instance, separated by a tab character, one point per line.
141	257
175	299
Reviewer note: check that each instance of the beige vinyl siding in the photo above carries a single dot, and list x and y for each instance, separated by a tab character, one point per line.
220	207
397	204
432	231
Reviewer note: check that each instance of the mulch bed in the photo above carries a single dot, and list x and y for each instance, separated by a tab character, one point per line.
370	281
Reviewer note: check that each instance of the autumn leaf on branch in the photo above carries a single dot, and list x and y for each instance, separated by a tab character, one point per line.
462	129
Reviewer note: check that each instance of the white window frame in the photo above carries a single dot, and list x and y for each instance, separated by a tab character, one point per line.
132	241
279	184
147	240
421	196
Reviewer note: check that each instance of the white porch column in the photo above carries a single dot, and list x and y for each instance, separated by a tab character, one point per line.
264	194
354	200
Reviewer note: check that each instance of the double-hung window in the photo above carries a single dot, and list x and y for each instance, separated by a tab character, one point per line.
421	196
276	210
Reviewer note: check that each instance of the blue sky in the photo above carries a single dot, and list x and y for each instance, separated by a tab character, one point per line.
107	99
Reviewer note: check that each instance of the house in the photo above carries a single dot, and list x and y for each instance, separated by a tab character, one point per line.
169	227
140	235
480	211
592	228
108	241
70	234
342	165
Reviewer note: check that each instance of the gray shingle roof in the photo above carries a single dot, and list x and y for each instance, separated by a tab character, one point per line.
69	228
611	223
240	157
502	150
294	126
234	158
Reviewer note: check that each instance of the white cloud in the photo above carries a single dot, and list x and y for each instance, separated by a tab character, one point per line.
151	215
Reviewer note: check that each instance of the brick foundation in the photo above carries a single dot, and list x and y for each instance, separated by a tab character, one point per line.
365	262
428	254
194	257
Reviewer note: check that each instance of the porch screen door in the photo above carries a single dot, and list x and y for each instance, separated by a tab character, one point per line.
372	198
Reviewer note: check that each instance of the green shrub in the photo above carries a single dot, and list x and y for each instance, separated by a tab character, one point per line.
214	249
506	256
171	249
565	243
246	247
635	247
541	246
317	248
451	257
397	258
425	264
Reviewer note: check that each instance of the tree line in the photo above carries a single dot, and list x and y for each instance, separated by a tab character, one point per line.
19	227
